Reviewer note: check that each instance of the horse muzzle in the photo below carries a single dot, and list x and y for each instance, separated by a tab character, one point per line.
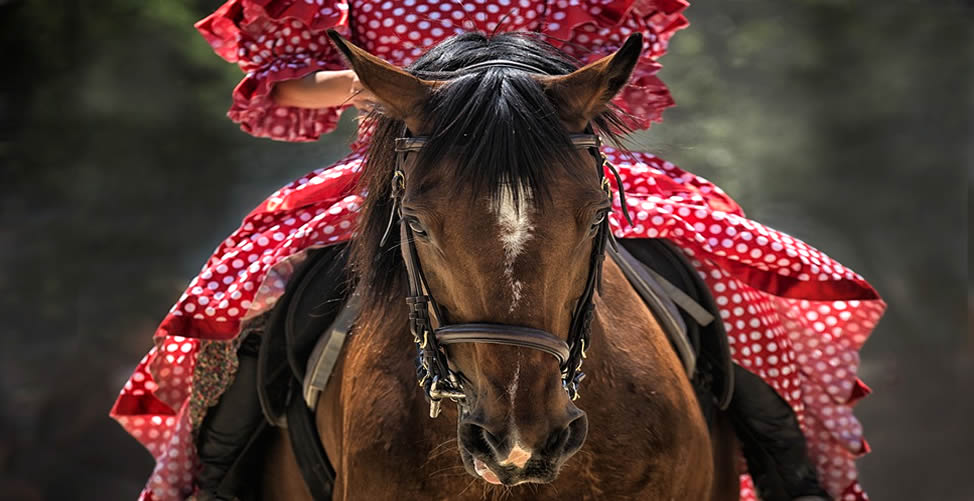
505	456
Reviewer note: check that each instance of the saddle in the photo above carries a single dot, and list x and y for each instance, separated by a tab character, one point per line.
313	318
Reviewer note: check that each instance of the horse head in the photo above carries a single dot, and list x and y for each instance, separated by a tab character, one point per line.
502	221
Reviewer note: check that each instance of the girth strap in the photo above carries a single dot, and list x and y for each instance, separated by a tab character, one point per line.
514	335
306	445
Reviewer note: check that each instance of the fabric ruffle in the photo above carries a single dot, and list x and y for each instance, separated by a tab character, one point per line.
243	277
596	28
272	41
794	316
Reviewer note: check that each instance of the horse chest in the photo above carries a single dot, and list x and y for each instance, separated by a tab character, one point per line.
384	445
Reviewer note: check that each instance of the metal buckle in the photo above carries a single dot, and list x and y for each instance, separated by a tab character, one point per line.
451	389
434	408
398	183
572	386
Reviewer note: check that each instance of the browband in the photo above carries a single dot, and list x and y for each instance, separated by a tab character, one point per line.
581	141
501	63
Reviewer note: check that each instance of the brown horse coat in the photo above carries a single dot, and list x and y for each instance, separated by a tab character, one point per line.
647	439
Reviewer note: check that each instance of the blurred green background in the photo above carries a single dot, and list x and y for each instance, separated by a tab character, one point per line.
847	124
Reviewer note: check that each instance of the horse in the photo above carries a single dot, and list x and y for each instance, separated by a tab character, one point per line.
481	163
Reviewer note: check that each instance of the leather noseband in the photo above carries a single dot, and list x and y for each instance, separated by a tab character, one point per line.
513	335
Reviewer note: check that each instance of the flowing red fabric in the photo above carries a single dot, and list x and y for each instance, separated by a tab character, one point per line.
794	316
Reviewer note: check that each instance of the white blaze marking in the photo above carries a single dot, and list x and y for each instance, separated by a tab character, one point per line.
519	454
515	231
512	389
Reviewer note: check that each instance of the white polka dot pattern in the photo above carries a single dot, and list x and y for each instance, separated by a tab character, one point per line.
275	40
601	27
794	317
806	349
157	415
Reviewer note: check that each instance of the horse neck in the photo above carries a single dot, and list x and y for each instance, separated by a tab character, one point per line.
626	338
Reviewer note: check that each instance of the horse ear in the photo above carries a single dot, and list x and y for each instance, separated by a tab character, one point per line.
401	95
583	94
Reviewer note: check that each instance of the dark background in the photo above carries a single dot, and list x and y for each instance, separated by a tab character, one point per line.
847	124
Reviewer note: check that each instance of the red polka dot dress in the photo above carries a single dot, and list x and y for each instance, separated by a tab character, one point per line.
794	316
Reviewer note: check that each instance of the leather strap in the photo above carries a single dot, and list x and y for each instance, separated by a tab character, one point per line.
684	301
668	317
580	141
404	144
584	141
501	63
513	335
322	361
433	369
306	444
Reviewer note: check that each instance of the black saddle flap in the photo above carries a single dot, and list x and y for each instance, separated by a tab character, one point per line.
313	298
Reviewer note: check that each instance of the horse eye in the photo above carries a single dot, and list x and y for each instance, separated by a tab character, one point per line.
416	227
599	218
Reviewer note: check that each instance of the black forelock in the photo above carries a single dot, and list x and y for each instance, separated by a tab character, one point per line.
496	124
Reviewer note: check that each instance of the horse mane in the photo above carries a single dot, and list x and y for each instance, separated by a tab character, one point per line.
499	121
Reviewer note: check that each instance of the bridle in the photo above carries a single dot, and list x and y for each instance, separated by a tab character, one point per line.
432	369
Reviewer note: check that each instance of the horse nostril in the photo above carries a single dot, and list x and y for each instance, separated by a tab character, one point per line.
569	439
477	439
492	441
557	440
578	430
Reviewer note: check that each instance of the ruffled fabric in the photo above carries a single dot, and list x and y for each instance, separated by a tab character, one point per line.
276	40
589	30
272	41
193	361
794	316
238	282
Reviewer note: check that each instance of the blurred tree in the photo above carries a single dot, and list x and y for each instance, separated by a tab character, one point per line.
118	173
